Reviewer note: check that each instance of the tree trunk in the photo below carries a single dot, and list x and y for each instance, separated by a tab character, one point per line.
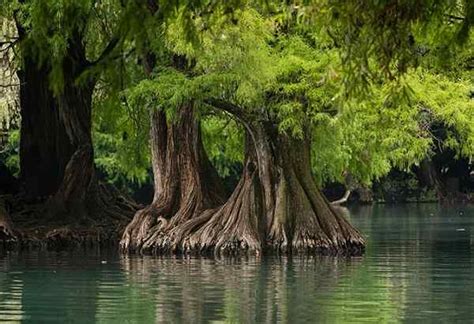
303	219
44	146
185	181
275	206
238	224
75	107
56	154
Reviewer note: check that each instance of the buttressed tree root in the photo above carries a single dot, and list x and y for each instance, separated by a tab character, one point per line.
276	206
185	182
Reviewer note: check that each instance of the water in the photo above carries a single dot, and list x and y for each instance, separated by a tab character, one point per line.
419	267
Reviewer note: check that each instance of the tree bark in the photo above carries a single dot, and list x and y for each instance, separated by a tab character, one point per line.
44	146
56	150
303	219
185	181
74	105
237	225
276	206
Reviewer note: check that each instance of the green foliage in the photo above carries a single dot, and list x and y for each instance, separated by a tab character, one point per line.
223	140
120	137
297	78
340	70
448	102
10	153
305	84
382	39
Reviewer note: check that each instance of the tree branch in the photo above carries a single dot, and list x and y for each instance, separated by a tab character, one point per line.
226	106
106	52
343	199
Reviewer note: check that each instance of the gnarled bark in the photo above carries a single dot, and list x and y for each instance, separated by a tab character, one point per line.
303	219
56	151
297	217
75	108
276	206
185	182
237	225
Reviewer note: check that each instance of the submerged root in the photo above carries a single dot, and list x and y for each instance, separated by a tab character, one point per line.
302	222
71	237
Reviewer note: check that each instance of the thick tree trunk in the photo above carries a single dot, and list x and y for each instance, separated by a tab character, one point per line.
276	206
57	158
75	112
44	145
303	219
185	181
238	224
74	105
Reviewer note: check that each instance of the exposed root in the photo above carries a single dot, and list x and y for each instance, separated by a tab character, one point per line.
138	230
186	184
296	221
107	213
235	227
303	220
232	228
276	206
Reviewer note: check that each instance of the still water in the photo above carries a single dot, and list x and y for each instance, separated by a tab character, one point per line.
418	267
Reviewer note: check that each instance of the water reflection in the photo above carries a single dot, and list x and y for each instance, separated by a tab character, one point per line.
11	288
249	290
418	267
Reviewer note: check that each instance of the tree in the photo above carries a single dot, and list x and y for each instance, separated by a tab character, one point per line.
276	203
60	62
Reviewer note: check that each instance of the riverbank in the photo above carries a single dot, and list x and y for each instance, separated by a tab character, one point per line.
31	225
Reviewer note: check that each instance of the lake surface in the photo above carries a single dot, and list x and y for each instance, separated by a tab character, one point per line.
418	267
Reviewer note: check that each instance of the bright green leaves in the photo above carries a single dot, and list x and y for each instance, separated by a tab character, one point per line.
120	137
449	103
223	140
383	39
232	62
305	85
235	62
167	91
342	69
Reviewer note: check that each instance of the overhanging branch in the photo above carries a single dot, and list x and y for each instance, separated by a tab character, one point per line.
226	106
106	52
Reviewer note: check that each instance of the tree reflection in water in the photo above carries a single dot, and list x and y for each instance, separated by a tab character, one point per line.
245	290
